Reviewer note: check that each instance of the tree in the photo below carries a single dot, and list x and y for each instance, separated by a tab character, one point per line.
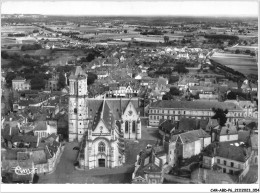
174	91
173	79
231	96
220	114
27	56
90	57
248	52
125	31
35	31
167	96
252	54
91	78
37	82
237	51
9	77
166	39
61	81
4	55
180	68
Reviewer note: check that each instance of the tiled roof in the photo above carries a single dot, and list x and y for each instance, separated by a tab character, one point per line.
211	124
243	135
187	124
25	138
40	126
200	105
18	78
149	165
39	156
117	106
190	136
167	125
228	129
228	150
6	132
11	154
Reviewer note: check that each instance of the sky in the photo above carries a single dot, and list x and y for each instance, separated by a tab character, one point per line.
132	7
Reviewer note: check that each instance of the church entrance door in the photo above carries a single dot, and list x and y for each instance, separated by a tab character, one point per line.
101	163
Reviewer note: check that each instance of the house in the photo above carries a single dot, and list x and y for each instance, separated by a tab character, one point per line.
45	128
230	157
44	158
102	74
52	83
225	133
166	127
28	141
20	83
162	84
190	109
186	145
149	165
249	107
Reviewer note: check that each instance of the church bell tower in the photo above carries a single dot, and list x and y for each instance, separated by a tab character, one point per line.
78	110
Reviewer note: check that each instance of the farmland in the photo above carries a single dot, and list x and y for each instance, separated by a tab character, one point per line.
243	63
17	29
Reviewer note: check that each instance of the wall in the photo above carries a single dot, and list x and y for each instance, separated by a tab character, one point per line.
236	167
50	165
228	137
208	161
172	157
190	149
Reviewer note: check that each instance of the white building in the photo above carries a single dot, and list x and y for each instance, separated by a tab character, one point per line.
100	125
20	83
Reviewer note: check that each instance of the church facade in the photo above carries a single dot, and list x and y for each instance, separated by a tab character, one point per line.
100	125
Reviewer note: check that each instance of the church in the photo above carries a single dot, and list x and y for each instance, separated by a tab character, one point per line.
100	125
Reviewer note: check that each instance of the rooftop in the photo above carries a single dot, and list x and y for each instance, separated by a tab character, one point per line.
200	105
234	150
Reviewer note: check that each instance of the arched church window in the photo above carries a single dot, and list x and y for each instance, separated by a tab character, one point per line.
126	127
101	147
133	127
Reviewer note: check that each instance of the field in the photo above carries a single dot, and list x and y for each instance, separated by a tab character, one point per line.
89	32
7	41
243	63
22	29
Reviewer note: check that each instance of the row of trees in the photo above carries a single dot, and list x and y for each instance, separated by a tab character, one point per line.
152	32
31	47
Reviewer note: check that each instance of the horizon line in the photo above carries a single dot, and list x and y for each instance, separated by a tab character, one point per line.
74	15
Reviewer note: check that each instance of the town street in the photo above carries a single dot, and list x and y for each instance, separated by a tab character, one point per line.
66	172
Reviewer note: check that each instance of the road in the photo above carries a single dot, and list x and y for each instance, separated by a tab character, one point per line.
66	172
